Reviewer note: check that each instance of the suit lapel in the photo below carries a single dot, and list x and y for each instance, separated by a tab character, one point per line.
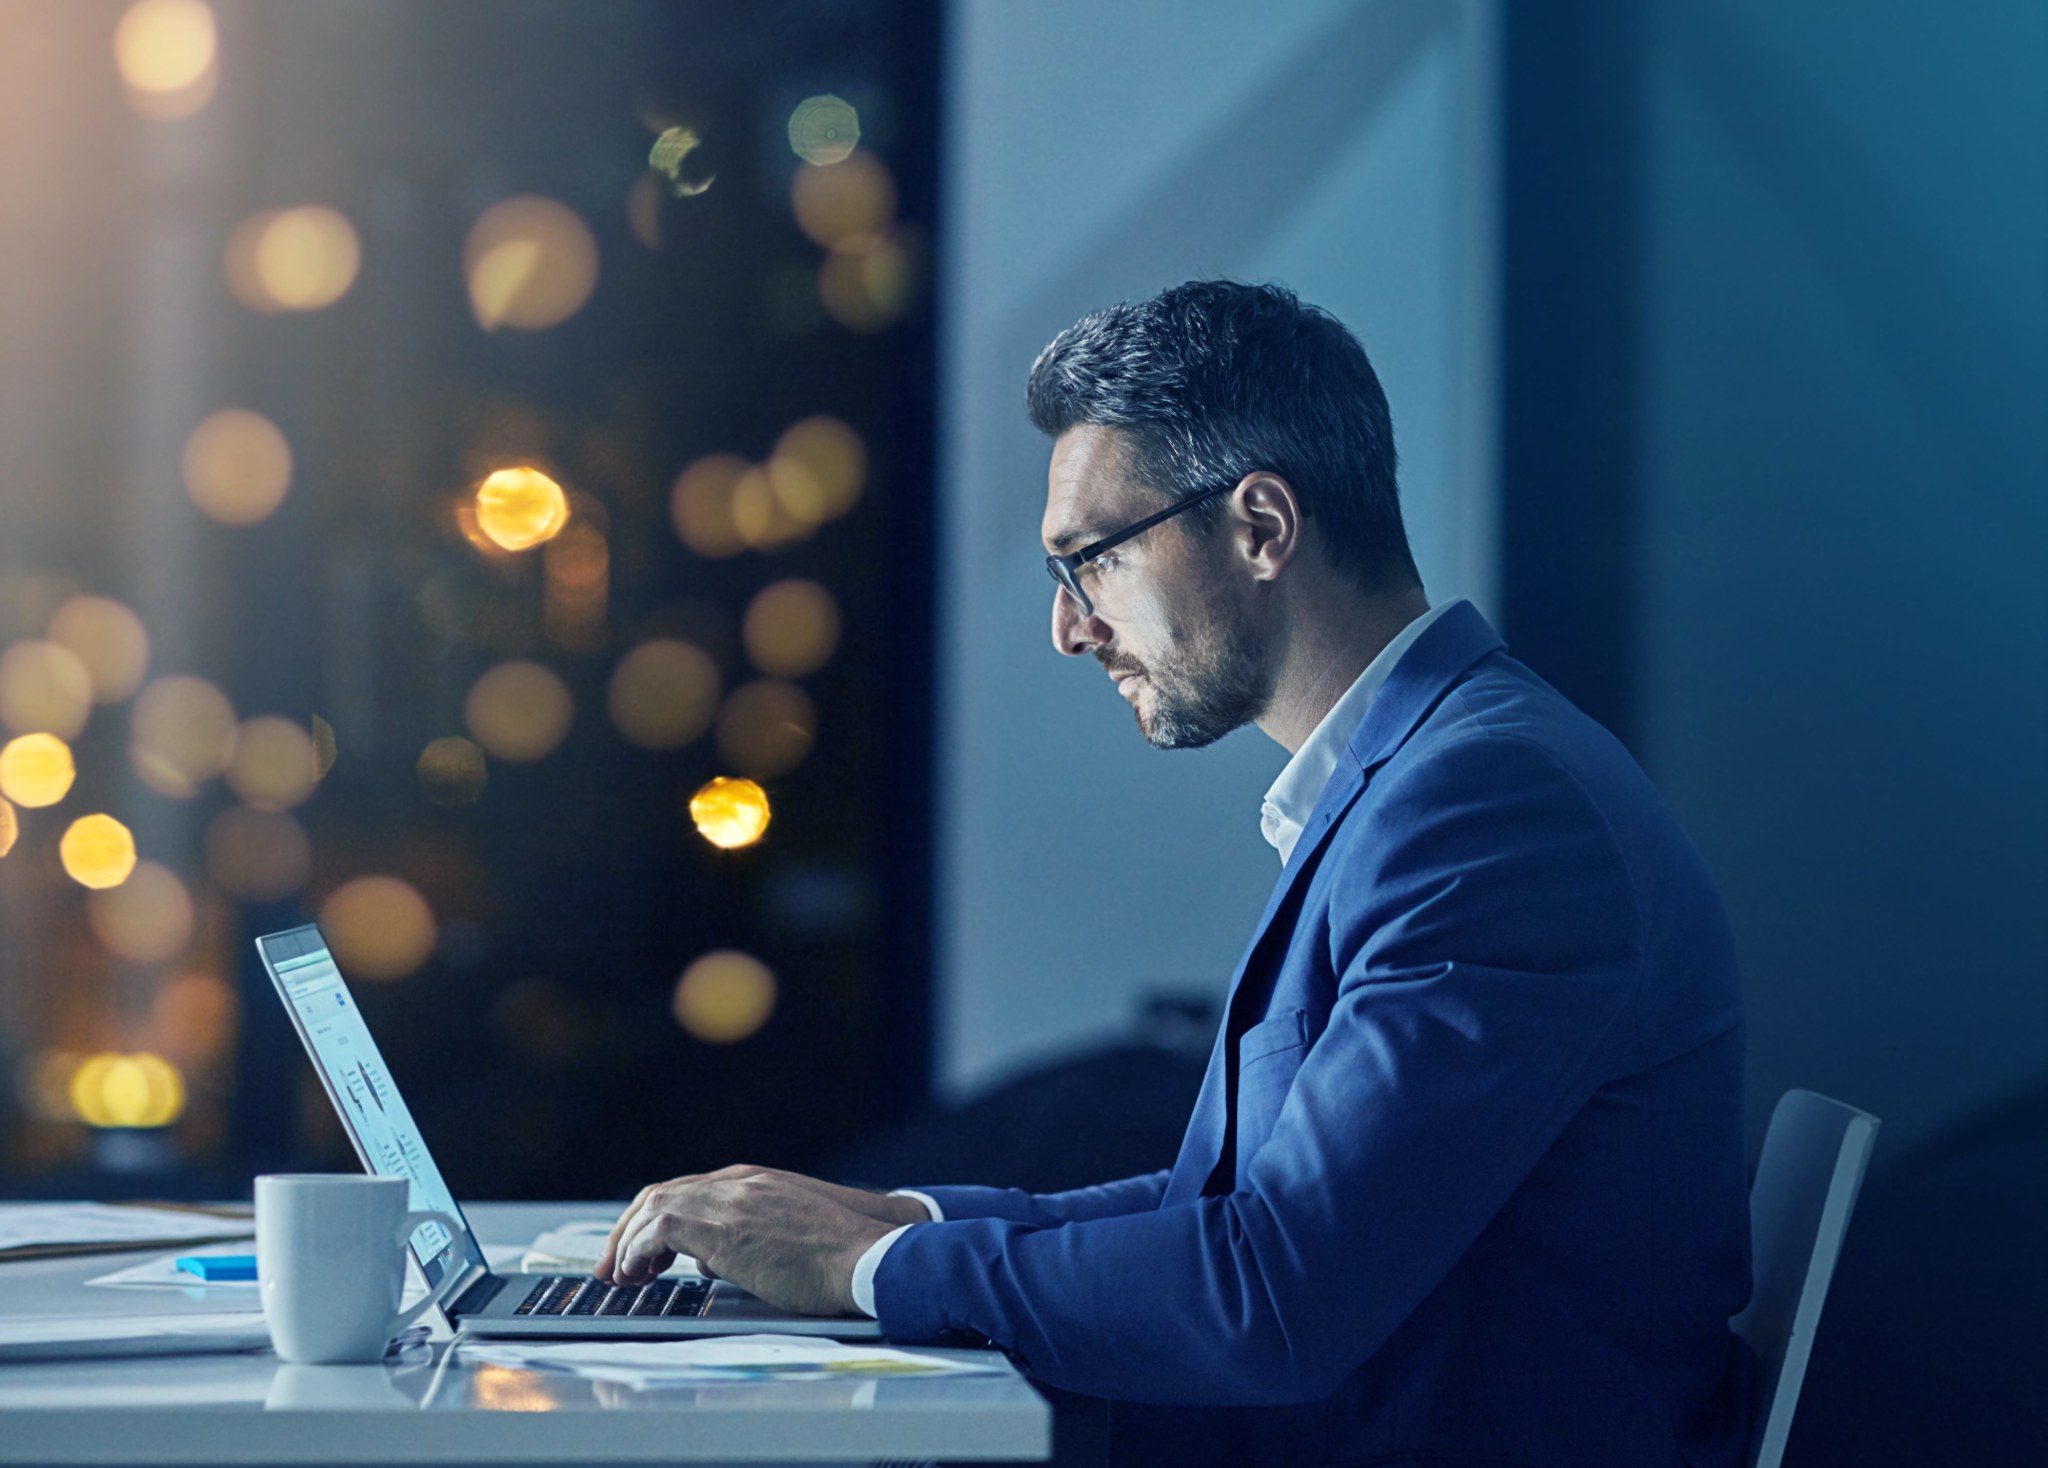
1418	683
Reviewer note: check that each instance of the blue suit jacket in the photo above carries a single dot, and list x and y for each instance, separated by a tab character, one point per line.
1465	1180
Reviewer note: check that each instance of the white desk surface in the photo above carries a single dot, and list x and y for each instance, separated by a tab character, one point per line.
253	1409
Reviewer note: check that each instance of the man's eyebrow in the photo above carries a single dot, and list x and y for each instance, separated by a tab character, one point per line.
1078	536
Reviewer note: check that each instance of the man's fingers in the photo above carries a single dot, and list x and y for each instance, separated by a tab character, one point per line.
607	1261
648	1247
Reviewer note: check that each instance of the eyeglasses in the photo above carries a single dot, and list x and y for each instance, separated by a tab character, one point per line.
1066	569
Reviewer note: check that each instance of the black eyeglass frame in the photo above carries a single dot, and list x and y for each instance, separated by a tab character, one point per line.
1066	570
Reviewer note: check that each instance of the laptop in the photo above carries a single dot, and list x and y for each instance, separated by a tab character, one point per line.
483	1304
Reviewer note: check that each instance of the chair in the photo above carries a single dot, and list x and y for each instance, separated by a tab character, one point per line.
1806	1183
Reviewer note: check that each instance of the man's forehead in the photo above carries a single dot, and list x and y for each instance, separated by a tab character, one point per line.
1088	488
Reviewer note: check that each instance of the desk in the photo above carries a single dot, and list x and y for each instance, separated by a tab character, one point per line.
252	1409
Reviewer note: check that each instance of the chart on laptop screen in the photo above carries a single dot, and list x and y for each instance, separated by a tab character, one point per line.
361	1083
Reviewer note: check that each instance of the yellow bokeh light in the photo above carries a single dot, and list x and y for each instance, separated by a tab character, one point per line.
664	693
127	1091
730	813
671	151
299	259
818	469
147	919
842	205
379	928
36	770
701	505
867	286
324	749
182	735
452	772
760	515
44	689
530	262
577	567
108	639
10	827
97	851
257	855
520	508
724	997
766	728
167	52
238	466
824	130
519	712
193	1016
791	628
273	767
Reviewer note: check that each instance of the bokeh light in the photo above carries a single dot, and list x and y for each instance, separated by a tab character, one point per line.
142	1090
730	813
10	827
766	728
519	712
43	1081
97	851
257	855
867	285
378	927
193	1016
237	466
818	469
182	735
844	204
701	505
167	52
324	749
724	997
36	770
669	157
108	639
824	130
299	259
520	508
577	569
643	209
452	771
530	262
664	693
760	516
791	629
147	919
273	766
44	689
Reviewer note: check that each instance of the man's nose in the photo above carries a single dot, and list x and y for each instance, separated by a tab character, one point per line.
1075	632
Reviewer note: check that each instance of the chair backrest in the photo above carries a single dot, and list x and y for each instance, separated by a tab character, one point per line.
1806	1183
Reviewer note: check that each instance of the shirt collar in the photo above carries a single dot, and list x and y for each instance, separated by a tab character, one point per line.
1292	798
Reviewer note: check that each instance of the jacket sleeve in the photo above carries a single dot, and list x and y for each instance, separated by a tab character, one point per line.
1485	951
1050	1210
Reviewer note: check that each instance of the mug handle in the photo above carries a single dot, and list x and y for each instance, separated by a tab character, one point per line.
439	1292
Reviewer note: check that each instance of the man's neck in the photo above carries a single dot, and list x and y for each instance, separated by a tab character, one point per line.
1335	638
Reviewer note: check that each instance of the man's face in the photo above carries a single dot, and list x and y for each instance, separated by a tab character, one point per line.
1172	624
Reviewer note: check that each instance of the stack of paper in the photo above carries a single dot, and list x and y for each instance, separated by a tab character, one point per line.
41	1230
643	1364
61	1337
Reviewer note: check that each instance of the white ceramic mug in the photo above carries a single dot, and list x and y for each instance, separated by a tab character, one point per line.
330	1264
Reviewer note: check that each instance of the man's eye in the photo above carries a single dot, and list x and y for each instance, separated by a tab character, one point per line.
1107	561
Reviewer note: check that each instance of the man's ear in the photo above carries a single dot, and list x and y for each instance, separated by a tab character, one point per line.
1265	524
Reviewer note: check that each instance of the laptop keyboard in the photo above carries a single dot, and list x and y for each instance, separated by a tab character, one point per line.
563	1294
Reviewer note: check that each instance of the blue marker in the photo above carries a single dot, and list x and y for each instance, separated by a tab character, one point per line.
220	1268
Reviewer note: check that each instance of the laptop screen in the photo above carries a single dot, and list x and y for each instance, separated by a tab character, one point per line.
374	1114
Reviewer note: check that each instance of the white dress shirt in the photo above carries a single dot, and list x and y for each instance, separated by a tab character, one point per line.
1292	800
1288	805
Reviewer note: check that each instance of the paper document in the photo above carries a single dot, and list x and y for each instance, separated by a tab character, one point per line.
162	1273
574	1248
729	1358
82	1227
60	1337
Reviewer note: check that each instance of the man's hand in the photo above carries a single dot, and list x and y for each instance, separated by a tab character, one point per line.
790	1239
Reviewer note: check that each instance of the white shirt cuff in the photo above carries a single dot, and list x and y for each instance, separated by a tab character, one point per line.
931	1205
864	1272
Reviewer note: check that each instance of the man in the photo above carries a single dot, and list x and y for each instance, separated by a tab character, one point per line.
1464	1183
